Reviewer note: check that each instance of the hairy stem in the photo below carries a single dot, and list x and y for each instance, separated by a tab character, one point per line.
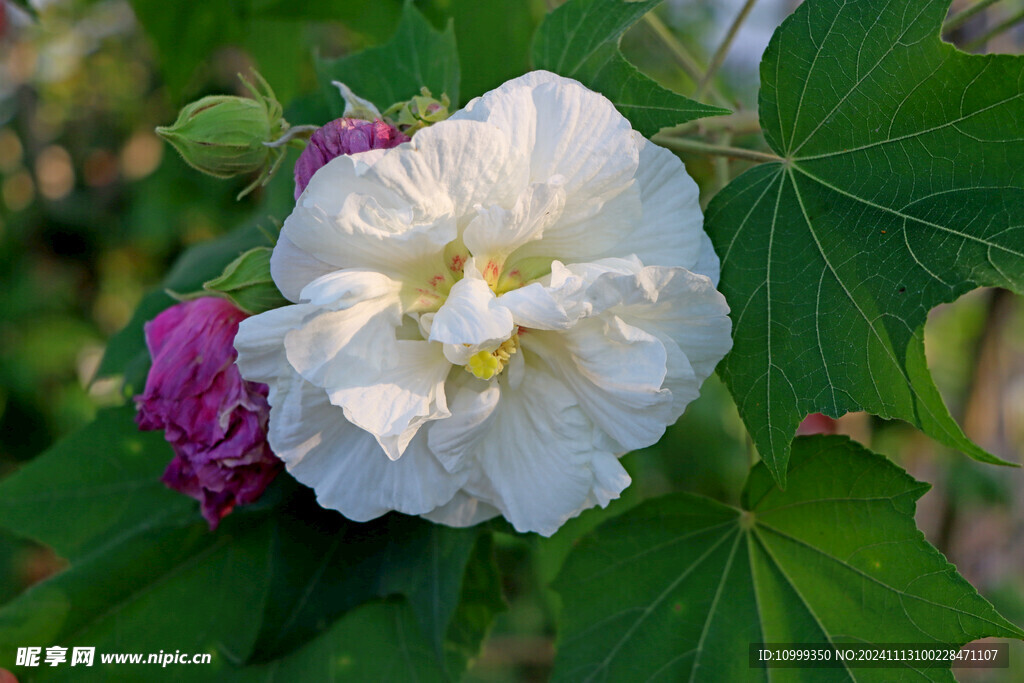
295	133
994	31
684	58
961	18
722	163
723	49
690	145
743	122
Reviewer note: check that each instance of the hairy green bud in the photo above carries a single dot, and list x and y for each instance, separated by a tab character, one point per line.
419	112
224	135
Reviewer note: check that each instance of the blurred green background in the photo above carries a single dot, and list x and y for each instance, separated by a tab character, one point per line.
94	208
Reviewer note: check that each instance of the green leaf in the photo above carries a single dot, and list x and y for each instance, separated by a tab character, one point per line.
325	565
190	271
417	56
580	40
678	587
479	602
187	34
900	189
95	488
247	283
173	589
477	23
376	19
380	641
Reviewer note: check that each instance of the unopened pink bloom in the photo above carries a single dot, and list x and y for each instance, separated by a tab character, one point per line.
343	136
215	421
816	423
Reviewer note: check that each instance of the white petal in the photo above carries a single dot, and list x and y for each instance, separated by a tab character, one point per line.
344	464
669	229
463	510
680	308
676	304
292	268
394	400
386	386
344	288
454	440
616	372
471	315
331	344
536	307
538	464
350	219
260	341
707	262
497	232
465	163
590	226
566	129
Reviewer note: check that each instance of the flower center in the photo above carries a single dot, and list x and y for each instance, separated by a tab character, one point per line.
487	364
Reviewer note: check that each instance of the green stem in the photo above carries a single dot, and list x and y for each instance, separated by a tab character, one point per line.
722	163
684	58
293	134
690	145
723	49
995	31
960	18
743	122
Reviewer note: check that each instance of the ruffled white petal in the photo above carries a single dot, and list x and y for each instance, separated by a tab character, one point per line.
535	307
671	224
496	232
707	262
344	464
616	371
566	129
292	268
387	386
537	464
456	439
472	315
463	510
680	308
260	342
341	289
465	163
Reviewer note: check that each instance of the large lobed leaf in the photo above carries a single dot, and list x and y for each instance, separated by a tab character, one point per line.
677	588
275	579
326	565
417	56
94	489
580	40
900	189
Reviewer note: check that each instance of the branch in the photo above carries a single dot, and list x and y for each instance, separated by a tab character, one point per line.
996	30
684	58
723	49
689	145
960	18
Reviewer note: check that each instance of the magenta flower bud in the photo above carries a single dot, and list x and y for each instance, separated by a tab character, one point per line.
215	421
343	136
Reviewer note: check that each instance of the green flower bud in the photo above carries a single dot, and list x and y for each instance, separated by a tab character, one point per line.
224	135
419	112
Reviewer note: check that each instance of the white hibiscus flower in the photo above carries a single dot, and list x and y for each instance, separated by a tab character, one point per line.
489	315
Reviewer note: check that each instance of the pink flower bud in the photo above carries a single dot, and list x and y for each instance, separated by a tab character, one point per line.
342	136
215	421
816	423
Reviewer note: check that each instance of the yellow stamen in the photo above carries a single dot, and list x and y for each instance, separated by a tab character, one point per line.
484	365
487	364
